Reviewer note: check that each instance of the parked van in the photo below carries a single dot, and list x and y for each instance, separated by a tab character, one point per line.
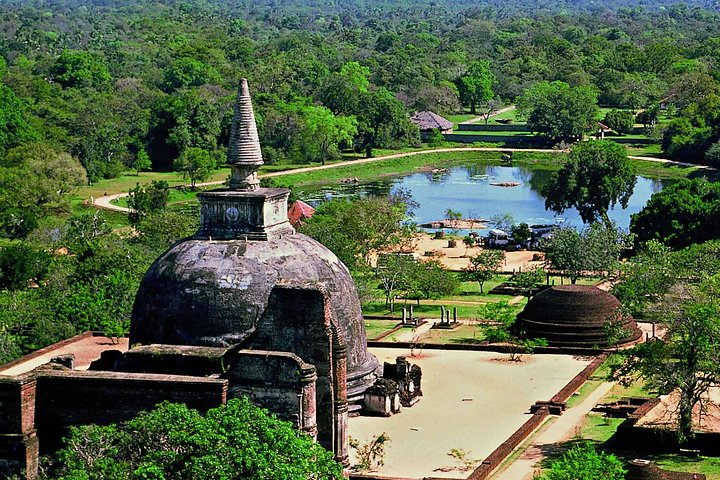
497	238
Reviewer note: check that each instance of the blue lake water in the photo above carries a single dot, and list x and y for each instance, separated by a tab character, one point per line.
468	190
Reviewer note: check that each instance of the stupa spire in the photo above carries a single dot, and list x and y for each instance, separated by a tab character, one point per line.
244	155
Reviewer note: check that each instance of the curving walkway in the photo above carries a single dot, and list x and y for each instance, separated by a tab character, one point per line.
482	119
105	202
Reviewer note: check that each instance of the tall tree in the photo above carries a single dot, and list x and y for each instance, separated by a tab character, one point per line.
681	214
430	279
685	360
484	266
596	249
355	229
34	182
195	164
596	176
324	132
14	128
476	85
559	112
77	69
147	199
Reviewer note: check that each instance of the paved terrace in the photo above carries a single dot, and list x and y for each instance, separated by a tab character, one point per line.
471	400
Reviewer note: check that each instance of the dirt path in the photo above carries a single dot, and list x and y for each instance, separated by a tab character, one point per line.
482	119
105	201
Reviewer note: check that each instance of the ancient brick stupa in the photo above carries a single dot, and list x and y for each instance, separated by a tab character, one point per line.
575	316
245	307
247	278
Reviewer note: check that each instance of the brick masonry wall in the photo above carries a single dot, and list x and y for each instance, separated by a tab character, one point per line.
67	398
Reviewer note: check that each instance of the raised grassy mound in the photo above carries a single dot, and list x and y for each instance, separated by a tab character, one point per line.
575	316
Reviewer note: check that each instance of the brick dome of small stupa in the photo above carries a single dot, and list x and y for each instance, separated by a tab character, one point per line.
217	287
575	316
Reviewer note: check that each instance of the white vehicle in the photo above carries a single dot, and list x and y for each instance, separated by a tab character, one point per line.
497	238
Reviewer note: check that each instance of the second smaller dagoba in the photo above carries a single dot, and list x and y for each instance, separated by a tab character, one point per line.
576	316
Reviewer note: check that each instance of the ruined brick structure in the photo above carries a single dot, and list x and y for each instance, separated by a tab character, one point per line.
576	316
246	306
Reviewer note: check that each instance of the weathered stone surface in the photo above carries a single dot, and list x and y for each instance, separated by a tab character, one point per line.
214	293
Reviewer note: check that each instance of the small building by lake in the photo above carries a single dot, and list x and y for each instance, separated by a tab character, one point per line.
428	121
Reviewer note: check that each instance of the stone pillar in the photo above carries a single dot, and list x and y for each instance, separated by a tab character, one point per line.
404	315
442	314
454	314
308	406
341	446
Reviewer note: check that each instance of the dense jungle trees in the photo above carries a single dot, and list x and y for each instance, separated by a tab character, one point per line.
104	83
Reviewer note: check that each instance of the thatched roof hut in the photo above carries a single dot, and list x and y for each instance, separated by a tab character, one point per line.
428	121
575	316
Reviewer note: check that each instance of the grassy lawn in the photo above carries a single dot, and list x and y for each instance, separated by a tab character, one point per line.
175	196
462	334
512	114
128	180
375	328
389	167
424	310
459	118
709	466
664	170
599	428
645	150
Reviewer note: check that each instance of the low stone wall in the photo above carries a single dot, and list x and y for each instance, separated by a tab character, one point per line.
71	397
508	446
507	139
492	127
386	334
489	347
573	385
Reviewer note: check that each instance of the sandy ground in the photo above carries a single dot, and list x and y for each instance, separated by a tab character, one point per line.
85	350
472	401
458	257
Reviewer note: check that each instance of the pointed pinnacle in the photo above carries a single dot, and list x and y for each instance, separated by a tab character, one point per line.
244	145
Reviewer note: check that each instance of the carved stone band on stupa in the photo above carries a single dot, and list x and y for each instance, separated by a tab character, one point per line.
244	210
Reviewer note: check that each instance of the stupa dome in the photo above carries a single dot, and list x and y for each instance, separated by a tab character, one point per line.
215	288
575	316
